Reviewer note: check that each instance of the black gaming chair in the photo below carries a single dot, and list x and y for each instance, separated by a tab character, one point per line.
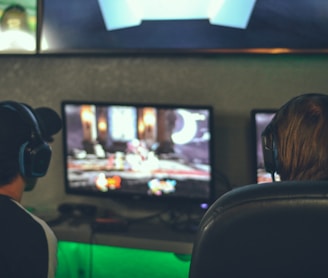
265	230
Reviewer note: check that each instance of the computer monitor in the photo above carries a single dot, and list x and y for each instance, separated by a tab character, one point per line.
260	118
182	26
18	26
149	151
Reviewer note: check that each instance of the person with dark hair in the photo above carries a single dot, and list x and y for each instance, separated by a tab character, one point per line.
28	247
295	143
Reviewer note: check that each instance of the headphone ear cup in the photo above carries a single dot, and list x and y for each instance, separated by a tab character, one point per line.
34	159
269	150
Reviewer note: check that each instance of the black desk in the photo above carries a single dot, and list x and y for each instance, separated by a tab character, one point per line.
149	236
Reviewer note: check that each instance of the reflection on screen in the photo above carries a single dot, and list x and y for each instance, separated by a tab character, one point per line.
123	13
138	150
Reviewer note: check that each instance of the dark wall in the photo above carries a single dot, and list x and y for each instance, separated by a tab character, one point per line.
233	84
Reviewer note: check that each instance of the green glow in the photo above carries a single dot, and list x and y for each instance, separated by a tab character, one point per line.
80	260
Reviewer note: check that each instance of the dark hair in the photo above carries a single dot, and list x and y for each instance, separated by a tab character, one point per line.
300	132
13	133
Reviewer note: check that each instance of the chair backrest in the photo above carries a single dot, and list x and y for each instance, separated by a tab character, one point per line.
265	230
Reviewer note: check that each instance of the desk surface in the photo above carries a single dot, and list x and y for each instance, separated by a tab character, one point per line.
151	236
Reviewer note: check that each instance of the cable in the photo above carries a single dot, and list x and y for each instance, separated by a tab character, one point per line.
91	242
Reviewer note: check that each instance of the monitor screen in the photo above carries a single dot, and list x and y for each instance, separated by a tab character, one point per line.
132	150
18	26
148	26
260	118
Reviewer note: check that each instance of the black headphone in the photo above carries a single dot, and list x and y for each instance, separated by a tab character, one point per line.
270	153
34	154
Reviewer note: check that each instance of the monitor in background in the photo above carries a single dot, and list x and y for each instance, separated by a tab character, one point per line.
18	26
159	152
157	26
260	118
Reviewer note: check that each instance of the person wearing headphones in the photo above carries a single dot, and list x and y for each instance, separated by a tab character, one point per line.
295	141
28	247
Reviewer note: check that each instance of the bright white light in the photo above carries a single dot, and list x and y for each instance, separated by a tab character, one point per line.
17	40
119	14
189	129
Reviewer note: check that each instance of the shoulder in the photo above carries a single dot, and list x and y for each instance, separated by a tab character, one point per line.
26	232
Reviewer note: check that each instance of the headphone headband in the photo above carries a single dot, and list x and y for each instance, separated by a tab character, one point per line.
270	154
26	114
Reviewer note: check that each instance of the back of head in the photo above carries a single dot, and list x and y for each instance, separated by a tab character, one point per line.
300	133
13	133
